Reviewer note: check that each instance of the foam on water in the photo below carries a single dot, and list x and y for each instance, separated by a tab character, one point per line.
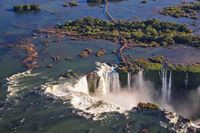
17	82
77	92
62	89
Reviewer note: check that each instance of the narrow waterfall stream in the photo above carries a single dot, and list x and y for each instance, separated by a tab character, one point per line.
114	82
141	79
166	77
129	80
186	80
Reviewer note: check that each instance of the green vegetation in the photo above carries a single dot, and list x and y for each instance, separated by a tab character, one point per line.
31	7
149	106
73	3
70	74
189	10
156	63
135	64
156	59
187	68
149	33
151	64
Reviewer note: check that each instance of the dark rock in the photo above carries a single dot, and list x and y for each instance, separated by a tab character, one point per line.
70	74
101	53
144	1
68	58
93	81
10	46
55	58
114	51
50	66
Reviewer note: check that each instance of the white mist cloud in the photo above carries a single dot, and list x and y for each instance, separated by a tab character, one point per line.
141	91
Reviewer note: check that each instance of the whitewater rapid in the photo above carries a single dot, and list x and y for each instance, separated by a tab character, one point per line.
77	92
18	83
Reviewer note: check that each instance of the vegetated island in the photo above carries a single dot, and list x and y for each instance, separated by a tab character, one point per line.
27	7
189	10
71	3
156	63
148	33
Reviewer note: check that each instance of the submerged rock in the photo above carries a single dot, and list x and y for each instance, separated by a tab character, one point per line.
55	58
68	59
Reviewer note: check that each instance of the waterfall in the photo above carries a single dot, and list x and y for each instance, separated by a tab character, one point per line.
104	80
129	80
81	85
63	88
166	85
186	80
104	83
114	81
169	86
140	79
108	79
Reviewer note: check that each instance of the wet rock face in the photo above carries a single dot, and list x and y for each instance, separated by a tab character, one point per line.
93	81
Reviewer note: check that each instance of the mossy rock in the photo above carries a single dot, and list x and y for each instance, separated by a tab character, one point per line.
148	106
73	3
31	7
70	74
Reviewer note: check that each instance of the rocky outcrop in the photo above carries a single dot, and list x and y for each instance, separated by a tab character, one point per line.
30	61
101	53
169	120
85	53
93	81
